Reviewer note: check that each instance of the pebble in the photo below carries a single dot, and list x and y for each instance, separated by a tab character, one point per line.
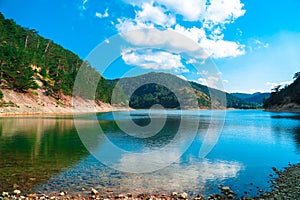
174	194
94	191
183	195
5	194
17	192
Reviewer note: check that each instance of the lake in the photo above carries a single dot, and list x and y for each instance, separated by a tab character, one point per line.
191	151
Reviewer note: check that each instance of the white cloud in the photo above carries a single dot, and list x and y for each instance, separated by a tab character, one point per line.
203	72
155	15
191	61
208	35
259	44
148	59
222	48
216	48
210	81
83	4
182	77
191	10
225	81
102	15
155	38
273	85
223	11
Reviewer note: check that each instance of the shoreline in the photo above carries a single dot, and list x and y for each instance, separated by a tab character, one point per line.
85	111
285	185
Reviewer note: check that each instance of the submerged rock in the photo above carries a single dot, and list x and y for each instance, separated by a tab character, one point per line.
5	194
17	192
183	195
94	191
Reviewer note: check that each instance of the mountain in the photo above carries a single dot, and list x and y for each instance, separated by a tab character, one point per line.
286	98
146	92
36	67
257	97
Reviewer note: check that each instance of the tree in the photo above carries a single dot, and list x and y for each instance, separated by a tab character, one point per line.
276	89
296	75
16	70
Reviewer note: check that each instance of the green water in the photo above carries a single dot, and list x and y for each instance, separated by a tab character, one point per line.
33	149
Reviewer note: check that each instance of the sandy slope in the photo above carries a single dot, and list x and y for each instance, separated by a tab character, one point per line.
36	101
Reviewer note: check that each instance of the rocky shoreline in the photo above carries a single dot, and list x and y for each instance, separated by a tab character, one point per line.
285	185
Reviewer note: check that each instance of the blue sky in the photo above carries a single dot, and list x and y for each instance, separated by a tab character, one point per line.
255	44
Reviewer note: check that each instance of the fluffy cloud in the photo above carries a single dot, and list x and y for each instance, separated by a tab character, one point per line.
208	34
191	10
155	15
216	48
148	59
222	12
273	85
102	15
210	81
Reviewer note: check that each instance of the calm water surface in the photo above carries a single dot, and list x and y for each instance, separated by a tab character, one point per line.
45	153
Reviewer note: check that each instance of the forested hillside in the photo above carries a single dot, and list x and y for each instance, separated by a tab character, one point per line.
285	98
150	94
257	97
26	58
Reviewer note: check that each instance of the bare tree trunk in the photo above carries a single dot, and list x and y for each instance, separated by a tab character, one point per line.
46	49
26	41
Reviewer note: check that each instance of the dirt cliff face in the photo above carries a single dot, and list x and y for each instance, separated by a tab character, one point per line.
36	101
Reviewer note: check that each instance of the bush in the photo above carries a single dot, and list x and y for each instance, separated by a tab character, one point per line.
1	94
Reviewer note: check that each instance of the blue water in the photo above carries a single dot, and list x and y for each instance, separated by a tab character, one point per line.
248	145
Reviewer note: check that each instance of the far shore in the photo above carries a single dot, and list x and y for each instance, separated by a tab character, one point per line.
15	112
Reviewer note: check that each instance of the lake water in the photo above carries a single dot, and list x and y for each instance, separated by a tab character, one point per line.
45	153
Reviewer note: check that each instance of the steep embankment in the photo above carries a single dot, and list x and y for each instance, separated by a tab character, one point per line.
36	102
285	99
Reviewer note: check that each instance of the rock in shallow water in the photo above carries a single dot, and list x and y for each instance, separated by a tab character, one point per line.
17	192
5	194
94	191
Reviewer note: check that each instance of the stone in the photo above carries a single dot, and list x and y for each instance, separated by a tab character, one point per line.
183	195
17	192
94	191
5	194
32	195
174	194
226	188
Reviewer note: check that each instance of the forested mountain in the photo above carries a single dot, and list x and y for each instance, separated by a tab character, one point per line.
26	58
257	97
285	98
150	94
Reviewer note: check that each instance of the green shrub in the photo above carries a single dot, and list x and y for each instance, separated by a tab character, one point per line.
1	95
